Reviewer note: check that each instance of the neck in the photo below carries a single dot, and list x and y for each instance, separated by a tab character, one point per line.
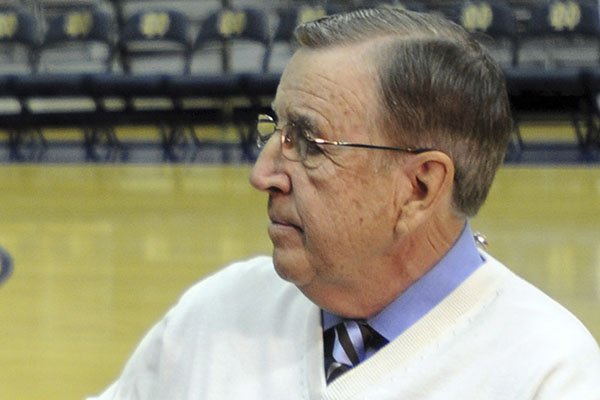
387	278
424	247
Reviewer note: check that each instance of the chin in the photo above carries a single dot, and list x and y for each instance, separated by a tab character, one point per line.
292	268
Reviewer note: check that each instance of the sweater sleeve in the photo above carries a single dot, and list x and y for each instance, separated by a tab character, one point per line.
184	342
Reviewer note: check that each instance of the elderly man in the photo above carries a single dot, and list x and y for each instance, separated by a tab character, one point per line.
387	129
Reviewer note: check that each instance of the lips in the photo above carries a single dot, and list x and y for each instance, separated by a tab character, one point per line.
282	222
281	216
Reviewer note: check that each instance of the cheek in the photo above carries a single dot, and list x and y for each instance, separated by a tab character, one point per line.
338	215
339	207
323	215
369	209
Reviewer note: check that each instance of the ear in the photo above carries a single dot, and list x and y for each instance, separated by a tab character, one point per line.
431	178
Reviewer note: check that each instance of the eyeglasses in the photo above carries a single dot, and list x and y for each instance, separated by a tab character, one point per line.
298	144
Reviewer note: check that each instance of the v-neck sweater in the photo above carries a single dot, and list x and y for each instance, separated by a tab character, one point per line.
244	333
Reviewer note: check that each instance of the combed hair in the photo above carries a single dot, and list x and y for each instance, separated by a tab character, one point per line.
438	88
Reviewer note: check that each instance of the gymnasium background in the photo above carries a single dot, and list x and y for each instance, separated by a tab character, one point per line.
125	150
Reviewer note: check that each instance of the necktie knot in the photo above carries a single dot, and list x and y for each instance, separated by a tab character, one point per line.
347	344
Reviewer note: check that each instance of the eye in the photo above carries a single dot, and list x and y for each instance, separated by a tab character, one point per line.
312	147
299	135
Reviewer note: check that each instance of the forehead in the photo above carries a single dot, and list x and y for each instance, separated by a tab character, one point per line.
330	86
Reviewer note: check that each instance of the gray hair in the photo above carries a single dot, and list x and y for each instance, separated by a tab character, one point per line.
438	89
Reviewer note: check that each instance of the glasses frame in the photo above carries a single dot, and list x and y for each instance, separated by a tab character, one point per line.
261	141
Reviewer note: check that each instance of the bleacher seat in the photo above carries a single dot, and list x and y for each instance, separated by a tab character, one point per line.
79	39
561	33
77	42
283	46
232	40
19	40
154	41
195	10
288	18
20	34
493	24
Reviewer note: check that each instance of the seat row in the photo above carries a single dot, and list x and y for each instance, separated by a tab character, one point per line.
554	34
89	39
557	34
97	103
176	101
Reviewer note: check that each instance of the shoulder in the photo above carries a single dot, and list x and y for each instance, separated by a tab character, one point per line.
249	271
238	289
537	320
246	296
252	275
535	342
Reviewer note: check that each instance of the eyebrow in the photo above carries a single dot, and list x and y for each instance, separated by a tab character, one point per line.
301	120
298	119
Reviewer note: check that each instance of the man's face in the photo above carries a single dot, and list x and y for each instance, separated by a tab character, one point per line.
331	225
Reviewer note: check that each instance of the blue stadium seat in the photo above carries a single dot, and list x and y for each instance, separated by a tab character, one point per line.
493	24
155	41
229	41
20	35
561	33
79	39
232	40
289	17
76	42
19	38
283	45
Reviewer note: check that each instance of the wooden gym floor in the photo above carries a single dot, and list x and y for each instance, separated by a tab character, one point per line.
102	251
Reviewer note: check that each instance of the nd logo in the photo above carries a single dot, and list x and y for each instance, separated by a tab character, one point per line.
8	24
308	13
155	24
477	17
231	23
564	15
78	24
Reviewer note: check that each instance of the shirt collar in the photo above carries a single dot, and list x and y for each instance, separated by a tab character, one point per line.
458	263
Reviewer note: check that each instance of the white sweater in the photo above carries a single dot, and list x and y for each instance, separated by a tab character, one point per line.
245	334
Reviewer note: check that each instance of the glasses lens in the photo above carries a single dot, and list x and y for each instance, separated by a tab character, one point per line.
265	127
295	143
295	146
303	148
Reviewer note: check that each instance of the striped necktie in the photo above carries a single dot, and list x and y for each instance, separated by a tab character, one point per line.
346	345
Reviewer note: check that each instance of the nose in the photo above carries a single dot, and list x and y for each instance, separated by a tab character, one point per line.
268	173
